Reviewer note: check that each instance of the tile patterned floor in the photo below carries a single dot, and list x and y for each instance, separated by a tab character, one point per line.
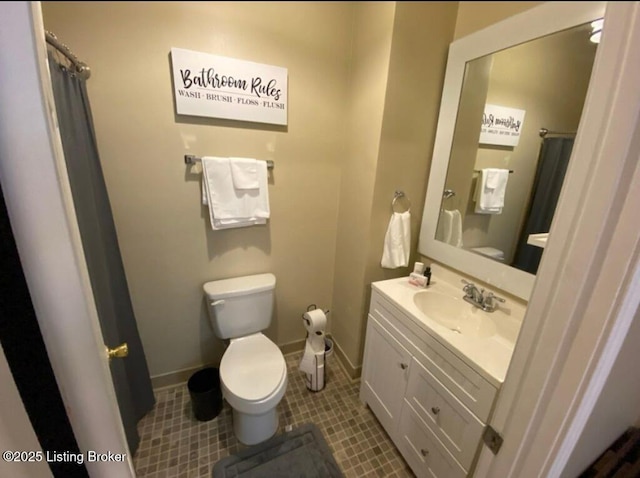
174	444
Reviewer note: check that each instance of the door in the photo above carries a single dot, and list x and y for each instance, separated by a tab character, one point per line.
586	293
100	248
39	204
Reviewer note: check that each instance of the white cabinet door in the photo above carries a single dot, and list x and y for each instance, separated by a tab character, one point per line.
384	375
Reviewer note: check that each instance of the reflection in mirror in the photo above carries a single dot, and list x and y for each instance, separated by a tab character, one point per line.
504	177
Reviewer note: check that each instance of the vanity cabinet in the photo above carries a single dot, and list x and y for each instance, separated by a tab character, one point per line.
387	375
431	403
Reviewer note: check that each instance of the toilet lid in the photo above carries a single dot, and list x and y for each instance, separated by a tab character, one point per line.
252	367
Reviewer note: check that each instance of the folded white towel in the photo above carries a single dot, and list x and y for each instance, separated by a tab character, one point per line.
233	223
244	172
230	207
490	191
397	241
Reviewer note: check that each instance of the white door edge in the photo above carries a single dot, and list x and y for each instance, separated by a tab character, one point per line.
584	297
38	198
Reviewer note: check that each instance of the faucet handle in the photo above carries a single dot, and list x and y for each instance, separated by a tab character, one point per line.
488	303
467	285
492	296
469	289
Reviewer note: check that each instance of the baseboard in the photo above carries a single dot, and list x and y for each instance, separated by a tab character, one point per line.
352	371
292	347
172	379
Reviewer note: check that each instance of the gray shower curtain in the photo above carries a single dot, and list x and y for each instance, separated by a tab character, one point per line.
550	172
100	245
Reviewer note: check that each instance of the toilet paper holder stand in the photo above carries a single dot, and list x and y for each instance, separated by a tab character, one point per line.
311	307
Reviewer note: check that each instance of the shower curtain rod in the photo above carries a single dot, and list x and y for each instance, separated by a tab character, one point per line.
81	67
544	132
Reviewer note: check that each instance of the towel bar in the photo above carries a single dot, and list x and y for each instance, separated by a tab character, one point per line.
191	159
480	170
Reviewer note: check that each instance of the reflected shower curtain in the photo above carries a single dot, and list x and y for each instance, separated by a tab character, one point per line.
100	245
552	166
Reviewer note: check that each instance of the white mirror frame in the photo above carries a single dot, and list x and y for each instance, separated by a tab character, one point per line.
539	21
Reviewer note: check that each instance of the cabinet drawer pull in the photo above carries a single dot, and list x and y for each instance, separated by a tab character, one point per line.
424	452
435	410
403	366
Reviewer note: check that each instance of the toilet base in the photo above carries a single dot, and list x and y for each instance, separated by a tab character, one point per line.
253	429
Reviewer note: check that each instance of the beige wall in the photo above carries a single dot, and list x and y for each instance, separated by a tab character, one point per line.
474	16
410	70
168	248
372	33
363	102
421	37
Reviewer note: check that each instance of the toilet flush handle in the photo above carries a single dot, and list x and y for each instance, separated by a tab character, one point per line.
217	302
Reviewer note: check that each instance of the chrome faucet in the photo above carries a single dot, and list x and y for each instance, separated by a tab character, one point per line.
478	298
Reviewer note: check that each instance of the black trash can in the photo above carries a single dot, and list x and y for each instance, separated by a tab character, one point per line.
205	392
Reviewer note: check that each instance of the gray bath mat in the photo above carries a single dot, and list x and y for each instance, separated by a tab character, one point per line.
301	453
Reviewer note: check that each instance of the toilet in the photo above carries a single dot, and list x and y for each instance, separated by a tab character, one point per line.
253	373
492	252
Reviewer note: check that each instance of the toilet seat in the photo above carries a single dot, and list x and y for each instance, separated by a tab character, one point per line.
253	374
492	252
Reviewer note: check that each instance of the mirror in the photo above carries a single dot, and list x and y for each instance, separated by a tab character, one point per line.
507	99
511	106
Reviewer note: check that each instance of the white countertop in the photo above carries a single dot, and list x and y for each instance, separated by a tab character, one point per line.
539	240
491	356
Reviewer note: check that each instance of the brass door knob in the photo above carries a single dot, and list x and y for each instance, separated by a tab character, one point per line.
120	351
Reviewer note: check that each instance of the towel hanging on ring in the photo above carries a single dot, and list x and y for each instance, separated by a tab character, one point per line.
397	241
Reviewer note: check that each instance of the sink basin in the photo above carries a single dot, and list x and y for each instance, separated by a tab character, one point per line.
455	314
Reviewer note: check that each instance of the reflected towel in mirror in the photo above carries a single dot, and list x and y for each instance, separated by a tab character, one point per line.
452	227
490	190
397	241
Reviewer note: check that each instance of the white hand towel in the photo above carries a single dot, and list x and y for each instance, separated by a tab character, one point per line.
452	227
490	191
456	229
447	226
244	172
228	207
397	241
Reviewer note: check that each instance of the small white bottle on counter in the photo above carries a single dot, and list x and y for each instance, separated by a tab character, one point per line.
417	277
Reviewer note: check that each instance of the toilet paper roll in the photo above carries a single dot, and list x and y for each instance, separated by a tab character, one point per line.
314	321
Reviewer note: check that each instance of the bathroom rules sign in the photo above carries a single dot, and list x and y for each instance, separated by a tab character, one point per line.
501	125
221	87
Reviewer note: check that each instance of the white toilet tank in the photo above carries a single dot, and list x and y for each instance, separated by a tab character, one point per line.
241	305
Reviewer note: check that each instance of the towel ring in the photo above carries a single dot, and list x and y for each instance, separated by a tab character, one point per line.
398	195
